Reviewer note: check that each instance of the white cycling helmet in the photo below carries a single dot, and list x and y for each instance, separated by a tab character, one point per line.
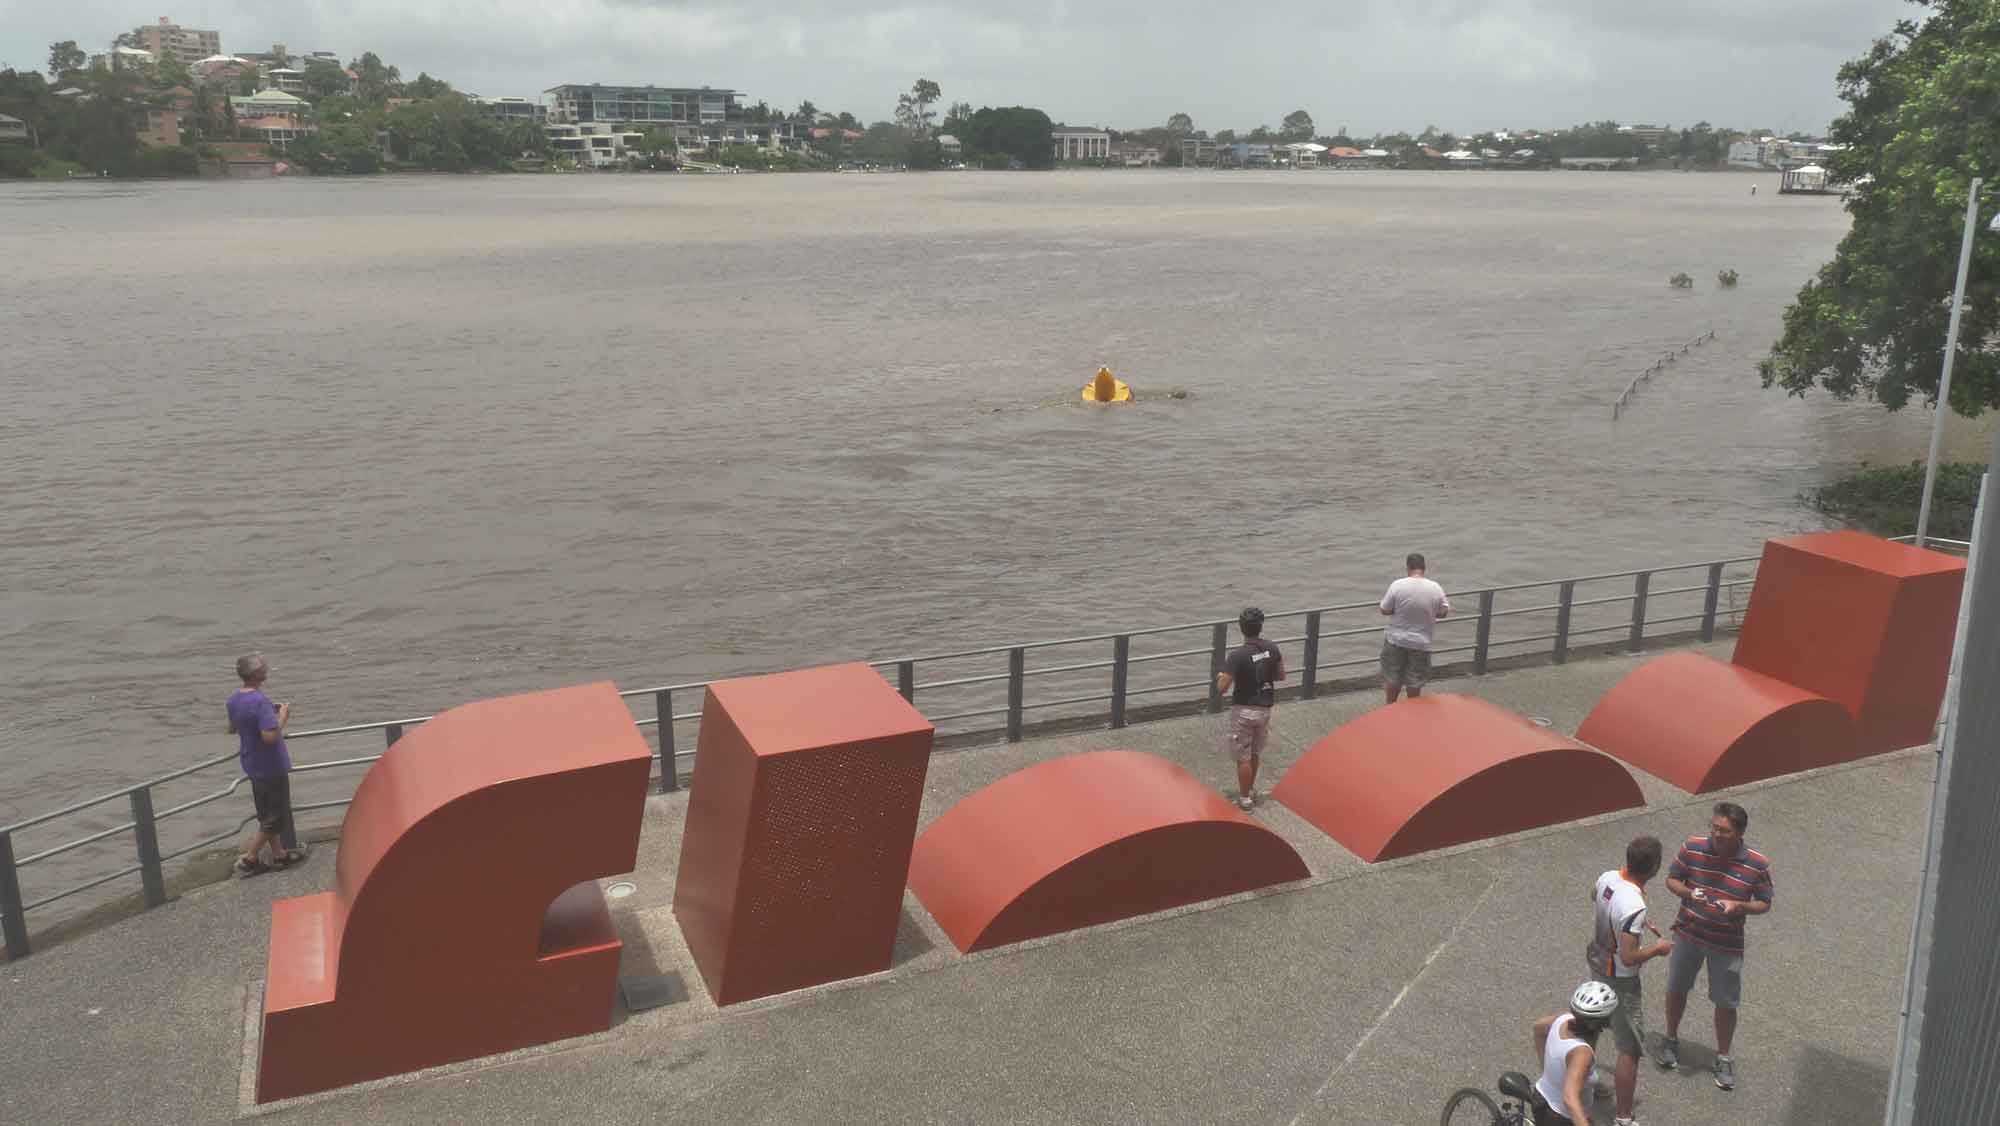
1593	1001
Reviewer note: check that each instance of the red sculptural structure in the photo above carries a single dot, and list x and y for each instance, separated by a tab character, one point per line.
1088	839
799	827
1442	770
1836	618
464	920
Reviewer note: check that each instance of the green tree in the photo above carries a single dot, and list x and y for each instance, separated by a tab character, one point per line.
1297	126
423	86
1011	133
955	118
344	148
323	80
374	82
25	95
913	110
65	57
807	112
1923	119
1180	124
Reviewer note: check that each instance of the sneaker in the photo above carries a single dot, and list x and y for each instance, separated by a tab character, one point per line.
1670	1053
1624	1122
1247	802
1725	1073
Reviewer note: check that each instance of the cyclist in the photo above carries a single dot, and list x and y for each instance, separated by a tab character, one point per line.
1567	1043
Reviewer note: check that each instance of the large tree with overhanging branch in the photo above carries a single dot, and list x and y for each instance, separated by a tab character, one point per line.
1923	120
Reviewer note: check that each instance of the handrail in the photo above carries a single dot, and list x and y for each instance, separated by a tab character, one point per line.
902	671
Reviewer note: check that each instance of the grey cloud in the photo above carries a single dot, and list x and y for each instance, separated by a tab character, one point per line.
1370	64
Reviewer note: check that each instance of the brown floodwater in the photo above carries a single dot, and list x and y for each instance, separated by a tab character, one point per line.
427	439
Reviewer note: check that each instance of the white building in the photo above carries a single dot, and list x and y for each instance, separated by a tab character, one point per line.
594	144
12	128
1081	144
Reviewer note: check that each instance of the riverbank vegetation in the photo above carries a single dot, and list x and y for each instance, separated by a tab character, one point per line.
1923	120
1884	500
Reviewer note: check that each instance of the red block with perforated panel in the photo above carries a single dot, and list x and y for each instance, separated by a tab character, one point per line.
1862	621
801	816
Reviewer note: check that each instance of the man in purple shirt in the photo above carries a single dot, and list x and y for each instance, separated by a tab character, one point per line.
259	727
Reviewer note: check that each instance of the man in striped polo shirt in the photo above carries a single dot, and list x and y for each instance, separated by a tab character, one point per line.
1720	881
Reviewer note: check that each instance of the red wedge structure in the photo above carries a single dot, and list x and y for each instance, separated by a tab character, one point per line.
464	920
1704	725
1443	770
1088	839
800	820
1860	623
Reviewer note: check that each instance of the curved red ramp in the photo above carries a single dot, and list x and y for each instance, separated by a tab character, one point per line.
1704	725
1442	770
1088	839
462	921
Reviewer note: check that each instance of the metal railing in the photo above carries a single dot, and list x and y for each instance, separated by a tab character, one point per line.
1624	398
1146	669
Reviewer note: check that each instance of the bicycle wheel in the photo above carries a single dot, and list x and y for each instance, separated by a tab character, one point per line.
1471	1107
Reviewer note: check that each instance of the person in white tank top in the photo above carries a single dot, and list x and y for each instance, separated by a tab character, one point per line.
1567	1087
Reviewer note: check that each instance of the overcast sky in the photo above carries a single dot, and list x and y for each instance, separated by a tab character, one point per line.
1371	65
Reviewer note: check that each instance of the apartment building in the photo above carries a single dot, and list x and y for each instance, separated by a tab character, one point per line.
689	113
168	40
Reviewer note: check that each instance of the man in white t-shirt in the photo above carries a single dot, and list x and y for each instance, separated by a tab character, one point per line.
1413	606
1616	952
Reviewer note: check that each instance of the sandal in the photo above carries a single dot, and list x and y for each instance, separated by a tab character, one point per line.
246	867
287	859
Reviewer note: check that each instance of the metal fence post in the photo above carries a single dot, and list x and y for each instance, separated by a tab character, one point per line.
670	770
1310	687
906	680
1217	649
13	917
1641	583
146	834
1482	642
1017	669
1563	600
392	733
1709	600
1121	656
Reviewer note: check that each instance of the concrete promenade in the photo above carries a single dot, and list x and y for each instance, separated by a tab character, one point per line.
1364	994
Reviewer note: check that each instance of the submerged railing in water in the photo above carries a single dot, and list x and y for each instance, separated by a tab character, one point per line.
995	703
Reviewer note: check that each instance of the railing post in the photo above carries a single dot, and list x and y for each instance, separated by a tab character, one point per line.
1309	687
1563	600
1641	583
392	733
906	680
1709	599
1017	670
1482	642
13	917
1121	657
146	833
670	771
1217	650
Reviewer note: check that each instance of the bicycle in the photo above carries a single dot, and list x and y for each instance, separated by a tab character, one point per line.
1470	1106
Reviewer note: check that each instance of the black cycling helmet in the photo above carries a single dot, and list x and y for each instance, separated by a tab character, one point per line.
1251	616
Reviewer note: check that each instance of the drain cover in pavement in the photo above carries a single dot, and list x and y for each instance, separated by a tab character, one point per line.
650	991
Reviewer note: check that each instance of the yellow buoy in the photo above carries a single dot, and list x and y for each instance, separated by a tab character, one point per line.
1106	388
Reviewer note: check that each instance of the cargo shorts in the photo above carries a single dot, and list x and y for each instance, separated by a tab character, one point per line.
1410	668
1725	973
1248	728
1628	1021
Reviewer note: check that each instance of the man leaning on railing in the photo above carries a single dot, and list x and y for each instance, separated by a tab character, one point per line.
259	727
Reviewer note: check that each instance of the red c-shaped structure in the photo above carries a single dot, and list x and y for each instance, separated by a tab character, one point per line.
1088	839
463	919
1442	770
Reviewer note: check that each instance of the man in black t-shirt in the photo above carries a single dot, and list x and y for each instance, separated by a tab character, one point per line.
1249	676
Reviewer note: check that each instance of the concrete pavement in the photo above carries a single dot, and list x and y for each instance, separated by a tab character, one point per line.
1363	994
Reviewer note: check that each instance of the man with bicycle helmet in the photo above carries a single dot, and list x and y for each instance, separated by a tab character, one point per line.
1567	1043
